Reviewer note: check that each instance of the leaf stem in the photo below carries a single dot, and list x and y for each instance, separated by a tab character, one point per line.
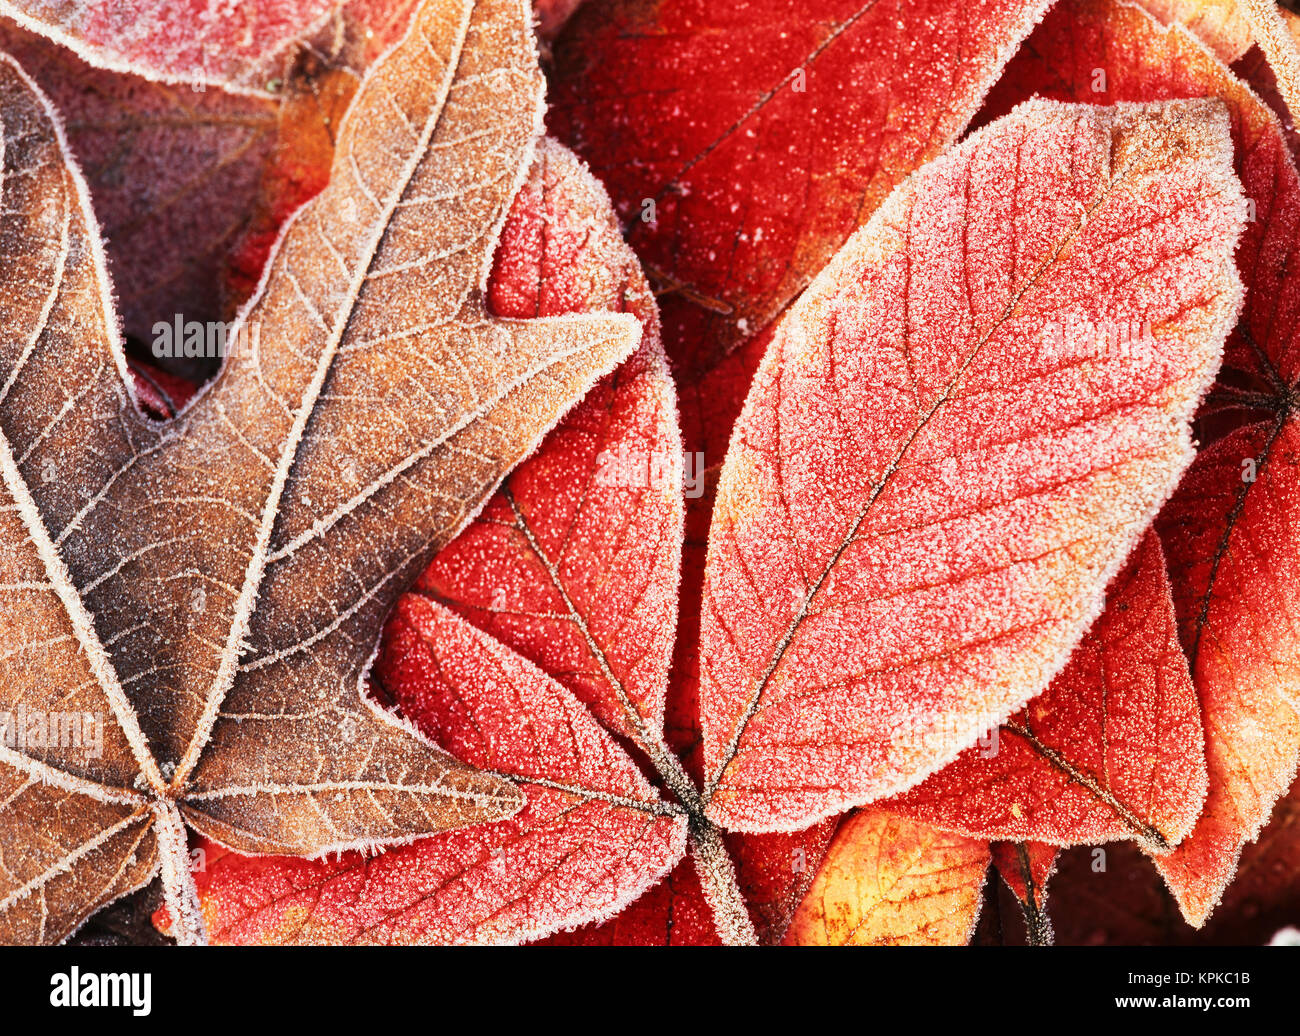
179	890
1274	39
717	876
1038	926
713	863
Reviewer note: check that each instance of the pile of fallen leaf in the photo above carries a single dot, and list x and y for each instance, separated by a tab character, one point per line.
674	471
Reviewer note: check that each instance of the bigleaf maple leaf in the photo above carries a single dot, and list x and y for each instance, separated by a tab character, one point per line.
207	594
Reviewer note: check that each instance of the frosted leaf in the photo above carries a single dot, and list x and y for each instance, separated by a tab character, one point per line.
954	601
1112	749
211	590
888	881
235	45
1228	533
1219	24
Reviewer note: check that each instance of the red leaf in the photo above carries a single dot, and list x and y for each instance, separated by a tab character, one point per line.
764	133
160	394
178	41
930	487
1112	749
709	408
1230	541
1025	867
775	872
591	838
575	564
673	913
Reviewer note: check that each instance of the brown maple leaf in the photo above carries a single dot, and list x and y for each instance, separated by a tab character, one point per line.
188	611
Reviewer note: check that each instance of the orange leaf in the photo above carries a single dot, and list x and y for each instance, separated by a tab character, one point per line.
1233	547
1219	24
888	881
